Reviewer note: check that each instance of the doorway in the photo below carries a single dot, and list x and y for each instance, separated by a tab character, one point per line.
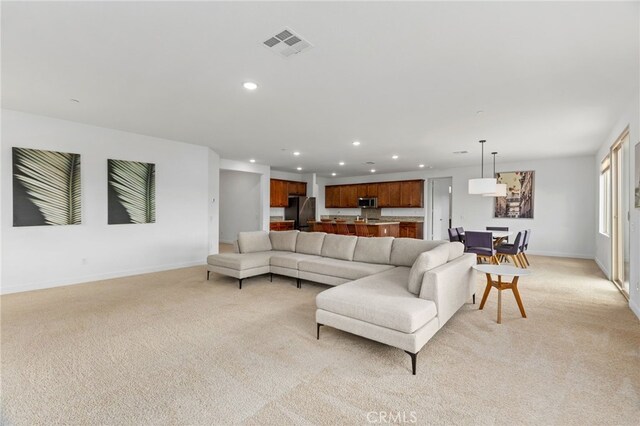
440	202
239	204
620	244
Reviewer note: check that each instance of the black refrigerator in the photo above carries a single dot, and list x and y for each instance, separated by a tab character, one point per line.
301	210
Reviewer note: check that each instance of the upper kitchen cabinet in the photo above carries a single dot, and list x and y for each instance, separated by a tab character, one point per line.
349	196
297	188
397	194
282	189
412	193
332	196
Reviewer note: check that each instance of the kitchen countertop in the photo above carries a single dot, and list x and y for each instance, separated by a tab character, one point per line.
281	220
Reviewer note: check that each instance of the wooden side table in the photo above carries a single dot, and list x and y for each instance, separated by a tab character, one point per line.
500	271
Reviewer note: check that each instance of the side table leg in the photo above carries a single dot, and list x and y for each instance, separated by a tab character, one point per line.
486	292
499	306
516	294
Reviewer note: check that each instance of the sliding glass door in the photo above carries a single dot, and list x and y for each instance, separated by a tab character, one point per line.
620	213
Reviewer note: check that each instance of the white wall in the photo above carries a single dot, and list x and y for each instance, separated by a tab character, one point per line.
264	172
46	256
214	202
564	222
240	201
630	118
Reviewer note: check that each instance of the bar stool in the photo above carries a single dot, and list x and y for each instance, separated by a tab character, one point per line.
328	227
362	230
342	228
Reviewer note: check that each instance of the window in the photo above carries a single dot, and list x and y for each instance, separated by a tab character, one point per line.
605	197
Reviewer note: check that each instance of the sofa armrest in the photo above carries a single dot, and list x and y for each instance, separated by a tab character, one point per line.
450	286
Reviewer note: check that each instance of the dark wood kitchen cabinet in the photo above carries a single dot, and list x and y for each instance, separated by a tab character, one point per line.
282	189
389	194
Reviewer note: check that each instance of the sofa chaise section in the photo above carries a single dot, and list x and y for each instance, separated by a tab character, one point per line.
381	307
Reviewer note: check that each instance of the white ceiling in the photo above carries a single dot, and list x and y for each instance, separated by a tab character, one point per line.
402	78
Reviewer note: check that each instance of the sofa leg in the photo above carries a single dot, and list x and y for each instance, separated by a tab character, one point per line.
318	325
413	361
208	272
240	283
474	298
299	283
271	277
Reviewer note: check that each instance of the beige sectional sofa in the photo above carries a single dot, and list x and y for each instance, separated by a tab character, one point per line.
397	291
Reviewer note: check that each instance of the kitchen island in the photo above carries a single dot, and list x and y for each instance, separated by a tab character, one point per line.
375	228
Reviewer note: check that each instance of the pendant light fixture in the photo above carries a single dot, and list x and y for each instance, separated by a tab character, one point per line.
501	188
482	185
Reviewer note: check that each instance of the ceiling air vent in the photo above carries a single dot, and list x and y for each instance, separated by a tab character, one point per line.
287	43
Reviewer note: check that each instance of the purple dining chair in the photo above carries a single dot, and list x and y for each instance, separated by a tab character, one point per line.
481	244
513	251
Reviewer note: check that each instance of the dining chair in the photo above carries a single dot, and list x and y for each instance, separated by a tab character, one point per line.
525	246
512	251
362	230
328	227
481	244
453	235
342	228
499	228
460	231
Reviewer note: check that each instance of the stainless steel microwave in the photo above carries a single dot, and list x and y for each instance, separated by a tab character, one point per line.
368	203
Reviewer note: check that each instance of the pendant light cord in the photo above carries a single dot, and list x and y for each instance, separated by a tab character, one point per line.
482	159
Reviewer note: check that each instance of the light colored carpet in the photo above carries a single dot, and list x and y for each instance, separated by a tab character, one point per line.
172	348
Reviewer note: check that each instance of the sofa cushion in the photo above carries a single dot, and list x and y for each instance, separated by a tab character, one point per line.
242	261
310	243
251	242
456	249
291	260
339	246
405	251
381	299
341	268
425	262
373	250
283	240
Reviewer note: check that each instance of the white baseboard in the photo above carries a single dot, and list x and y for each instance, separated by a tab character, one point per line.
604	270
635	308
96	277
559	254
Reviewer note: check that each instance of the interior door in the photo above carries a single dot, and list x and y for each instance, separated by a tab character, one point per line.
440	213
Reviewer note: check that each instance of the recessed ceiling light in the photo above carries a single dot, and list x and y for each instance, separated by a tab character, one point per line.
74	101
356	143
341	163
252	161
296	153
395	157
479	112
298	168
373	170
333	174
460	152
249	85
421	165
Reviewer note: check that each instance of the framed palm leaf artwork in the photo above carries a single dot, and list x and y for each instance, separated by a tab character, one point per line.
46	188
132	192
